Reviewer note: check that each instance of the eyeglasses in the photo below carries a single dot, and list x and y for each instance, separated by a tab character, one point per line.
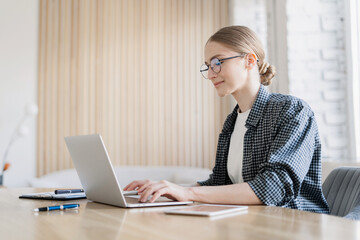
215	65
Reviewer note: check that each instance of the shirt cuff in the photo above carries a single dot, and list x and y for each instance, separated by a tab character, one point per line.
269	190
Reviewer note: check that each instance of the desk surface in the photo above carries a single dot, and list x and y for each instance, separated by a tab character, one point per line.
99	221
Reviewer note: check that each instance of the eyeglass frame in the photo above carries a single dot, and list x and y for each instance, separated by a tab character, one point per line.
220	61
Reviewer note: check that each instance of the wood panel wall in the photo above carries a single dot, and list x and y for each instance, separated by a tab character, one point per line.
129	70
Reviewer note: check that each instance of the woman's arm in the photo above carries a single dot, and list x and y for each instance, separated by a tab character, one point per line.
240	193
227	194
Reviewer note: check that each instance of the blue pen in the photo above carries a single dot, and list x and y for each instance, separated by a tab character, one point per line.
58	207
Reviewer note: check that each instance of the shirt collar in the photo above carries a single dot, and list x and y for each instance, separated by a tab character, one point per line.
258	107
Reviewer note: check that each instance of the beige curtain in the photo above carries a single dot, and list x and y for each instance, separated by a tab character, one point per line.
128	70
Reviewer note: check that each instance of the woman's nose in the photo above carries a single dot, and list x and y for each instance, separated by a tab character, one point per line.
211	74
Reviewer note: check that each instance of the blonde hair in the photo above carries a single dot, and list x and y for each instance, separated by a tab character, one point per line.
242	39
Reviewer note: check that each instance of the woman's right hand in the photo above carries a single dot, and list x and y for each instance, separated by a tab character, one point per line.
138	185
152	190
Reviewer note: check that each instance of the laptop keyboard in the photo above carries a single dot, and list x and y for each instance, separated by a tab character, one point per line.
135	199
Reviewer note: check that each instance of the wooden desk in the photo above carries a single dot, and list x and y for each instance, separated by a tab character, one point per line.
99	221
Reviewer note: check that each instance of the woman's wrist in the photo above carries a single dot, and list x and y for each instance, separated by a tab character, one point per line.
192	193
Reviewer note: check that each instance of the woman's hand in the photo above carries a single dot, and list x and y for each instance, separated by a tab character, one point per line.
136	185
170	190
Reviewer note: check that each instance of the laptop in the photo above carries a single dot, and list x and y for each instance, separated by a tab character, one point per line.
97	174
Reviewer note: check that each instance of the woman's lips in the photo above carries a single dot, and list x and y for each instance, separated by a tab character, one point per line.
218	84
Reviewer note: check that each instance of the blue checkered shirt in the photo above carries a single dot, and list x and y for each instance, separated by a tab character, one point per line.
282	153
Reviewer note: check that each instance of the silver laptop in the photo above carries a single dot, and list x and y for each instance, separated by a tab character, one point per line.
97	174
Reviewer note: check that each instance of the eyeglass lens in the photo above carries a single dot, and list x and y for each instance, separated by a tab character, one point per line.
215	65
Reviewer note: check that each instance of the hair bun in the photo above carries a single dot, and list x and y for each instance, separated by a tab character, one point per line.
267	72
263	67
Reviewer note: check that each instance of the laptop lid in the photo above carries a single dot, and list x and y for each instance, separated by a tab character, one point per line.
95	170
97	174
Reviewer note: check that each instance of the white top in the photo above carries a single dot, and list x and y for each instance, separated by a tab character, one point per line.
236	149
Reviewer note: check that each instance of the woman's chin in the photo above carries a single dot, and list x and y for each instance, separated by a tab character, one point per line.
221	94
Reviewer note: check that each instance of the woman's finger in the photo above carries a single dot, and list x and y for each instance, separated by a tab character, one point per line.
150	190
158	194
145	185
134	184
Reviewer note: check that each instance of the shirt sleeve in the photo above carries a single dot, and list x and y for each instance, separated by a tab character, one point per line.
208	182
279	179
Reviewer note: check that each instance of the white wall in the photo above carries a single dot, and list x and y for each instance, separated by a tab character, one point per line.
316	61
317	69
18	84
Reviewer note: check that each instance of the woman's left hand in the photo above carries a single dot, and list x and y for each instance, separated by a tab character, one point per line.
164	188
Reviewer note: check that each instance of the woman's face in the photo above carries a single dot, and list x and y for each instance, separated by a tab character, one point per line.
233	75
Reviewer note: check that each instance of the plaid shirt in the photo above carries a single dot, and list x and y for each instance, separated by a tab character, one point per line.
282	153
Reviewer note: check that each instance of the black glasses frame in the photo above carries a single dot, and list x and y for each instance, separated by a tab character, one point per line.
220	62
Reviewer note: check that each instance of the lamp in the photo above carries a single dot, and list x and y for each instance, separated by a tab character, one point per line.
20	131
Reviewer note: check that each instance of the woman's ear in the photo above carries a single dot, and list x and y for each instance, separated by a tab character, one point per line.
251	61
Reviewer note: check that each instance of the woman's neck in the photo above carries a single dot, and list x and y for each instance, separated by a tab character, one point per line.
246	96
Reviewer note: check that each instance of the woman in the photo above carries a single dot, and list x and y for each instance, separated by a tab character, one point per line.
269	150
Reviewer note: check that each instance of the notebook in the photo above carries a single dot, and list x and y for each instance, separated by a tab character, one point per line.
53	196
97	174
